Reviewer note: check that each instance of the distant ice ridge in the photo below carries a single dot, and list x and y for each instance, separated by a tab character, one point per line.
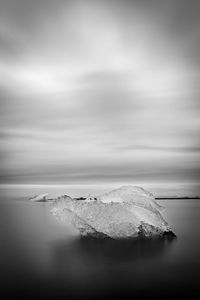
39	198
127	212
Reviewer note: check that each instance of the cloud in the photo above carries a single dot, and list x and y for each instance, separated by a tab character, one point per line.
99	90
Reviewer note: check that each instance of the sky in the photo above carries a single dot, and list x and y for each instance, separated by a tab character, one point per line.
99	91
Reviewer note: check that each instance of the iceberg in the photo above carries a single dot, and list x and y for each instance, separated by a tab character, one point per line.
39	198
128	212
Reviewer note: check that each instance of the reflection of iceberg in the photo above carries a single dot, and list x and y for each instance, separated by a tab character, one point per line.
96	268
127	212
101	251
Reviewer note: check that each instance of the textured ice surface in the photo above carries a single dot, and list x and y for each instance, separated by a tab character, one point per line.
131	194
127	212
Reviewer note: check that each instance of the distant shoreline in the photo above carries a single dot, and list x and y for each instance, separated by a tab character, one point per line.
176	198
157	198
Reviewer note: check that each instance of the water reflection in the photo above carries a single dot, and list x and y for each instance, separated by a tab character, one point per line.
116	251
101	266
43	259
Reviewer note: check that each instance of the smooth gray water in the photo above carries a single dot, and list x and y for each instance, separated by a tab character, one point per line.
41	258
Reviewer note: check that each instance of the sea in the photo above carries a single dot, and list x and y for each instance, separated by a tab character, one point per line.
41	258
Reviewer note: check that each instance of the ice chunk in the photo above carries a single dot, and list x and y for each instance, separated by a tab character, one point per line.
127	212
39	198
133	195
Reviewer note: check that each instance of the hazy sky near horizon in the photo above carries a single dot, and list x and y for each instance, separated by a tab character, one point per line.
98	91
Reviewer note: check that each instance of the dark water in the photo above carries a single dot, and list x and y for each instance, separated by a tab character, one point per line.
42	259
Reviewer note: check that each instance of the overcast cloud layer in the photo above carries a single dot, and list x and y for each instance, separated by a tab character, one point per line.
98	91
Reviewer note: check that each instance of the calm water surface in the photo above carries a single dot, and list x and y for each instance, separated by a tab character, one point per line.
41	258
